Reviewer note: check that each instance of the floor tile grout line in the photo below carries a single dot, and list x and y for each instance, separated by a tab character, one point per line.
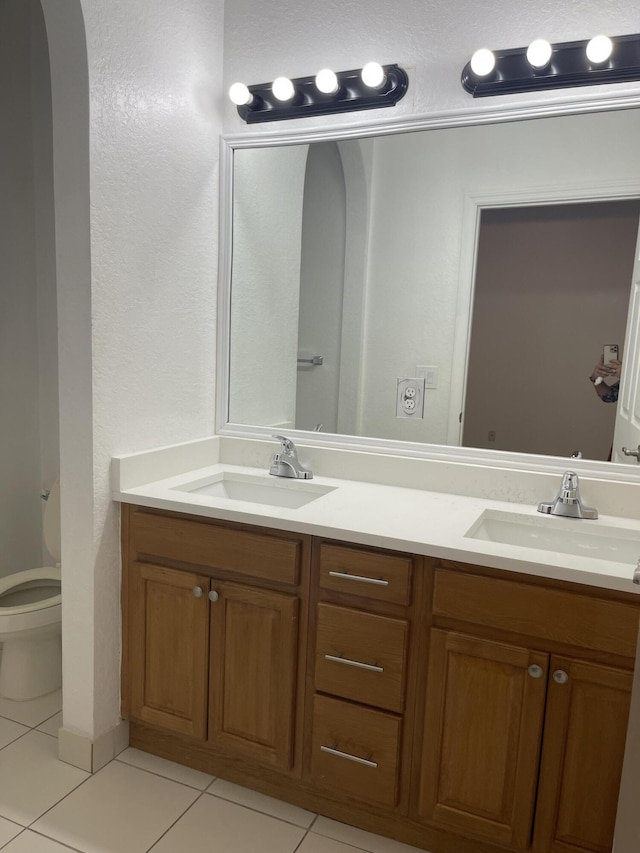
301	842
159	775
219	796
179	818
307	830
347	843
48	838
57	803
22	829
50	717
259	811
15	739
25	703
28	725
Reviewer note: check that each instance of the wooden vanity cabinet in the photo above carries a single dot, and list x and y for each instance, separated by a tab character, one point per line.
455	708
522	745
211	655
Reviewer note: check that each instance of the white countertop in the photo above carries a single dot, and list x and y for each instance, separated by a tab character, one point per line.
386	516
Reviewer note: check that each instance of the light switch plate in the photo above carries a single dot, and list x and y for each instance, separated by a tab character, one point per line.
431	375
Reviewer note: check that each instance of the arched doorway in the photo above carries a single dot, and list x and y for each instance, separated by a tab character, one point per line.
67	45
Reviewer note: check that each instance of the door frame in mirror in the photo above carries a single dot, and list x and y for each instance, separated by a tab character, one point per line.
473	207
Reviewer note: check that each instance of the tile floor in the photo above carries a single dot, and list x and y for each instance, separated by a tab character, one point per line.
140	803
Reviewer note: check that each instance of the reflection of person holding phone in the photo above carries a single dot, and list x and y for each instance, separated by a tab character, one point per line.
606	374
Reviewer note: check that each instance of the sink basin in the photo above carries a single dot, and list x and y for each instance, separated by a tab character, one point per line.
235	486
566	536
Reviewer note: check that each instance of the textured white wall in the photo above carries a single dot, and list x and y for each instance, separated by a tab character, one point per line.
137	317
155	86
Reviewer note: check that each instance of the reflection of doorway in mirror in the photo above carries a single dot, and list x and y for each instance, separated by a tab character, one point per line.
322	270
540	319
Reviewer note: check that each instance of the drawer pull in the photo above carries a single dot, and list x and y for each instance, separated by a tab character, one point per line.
339	659
339	754
360	578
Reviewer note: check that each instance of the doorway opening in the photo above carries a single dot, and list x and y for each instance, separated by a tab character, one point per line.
552	287
30	446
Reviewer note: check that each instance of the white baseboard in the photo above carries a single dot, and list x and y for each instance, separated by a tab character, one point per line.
91	755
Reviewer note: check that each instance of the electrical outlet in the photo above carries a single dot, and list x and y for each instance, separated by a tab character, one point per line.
410	398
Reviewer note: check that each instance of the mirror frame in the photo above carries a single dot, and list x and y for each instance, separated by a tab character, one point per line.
444	453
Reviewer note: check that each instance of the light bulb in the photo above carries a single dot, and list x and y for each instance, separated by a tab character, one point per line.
599	49
483	62
373	75
539	53
240	95
327	81
283	89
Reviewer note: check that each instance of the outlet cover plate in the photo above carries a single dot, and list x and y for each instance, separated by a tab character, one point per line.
410	398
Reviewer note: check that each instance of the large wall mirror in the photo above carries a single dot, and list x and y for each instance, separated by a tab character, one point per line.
494	259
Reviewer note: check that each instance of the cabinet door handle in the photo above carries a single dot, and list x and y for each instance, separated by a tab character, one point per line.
348	662
560	676
359	578
197	591
535	671
213	595
339	754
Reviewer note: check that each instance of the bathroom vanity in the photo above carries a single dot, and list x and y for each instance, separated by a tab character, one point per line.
449	698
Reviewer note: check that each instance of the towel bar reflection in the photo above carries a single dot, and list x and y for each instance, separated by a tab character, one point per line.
313	360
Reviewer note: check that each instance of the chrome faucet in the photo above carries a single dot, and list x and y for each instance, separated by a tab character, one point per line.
285	462
567	502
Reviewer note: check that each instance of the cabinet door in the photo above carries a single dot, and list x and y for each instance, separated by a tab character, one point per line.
584	740
169	648
253	673
483	724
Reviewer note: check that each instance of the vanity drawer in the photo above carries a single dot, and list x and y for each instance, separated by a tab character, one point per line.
370	574
202	543
361	656
547	613
355	751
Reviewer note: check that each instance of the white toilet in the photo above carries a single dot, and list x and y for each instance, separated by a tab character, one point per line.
31	620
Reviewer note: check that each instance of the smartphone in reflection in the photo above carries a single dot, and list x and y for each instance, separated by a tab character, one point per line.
609	353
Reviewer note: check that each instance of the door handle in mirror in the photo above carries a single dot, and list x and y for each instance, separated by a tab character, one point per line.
635	453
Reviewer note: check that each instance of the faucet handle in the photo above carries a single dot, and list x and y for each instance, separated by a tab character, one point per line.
569	487
287	445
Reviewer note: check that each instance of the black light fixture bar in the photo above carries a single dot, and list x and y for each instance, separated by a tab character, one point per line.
569	66
308	100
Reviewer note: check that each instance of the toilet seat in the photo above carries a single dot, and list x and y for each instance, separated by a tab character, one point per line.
18	579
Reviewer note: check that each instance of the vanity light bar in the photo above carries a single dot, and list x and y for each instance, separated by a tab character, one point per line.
569	65
352	93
